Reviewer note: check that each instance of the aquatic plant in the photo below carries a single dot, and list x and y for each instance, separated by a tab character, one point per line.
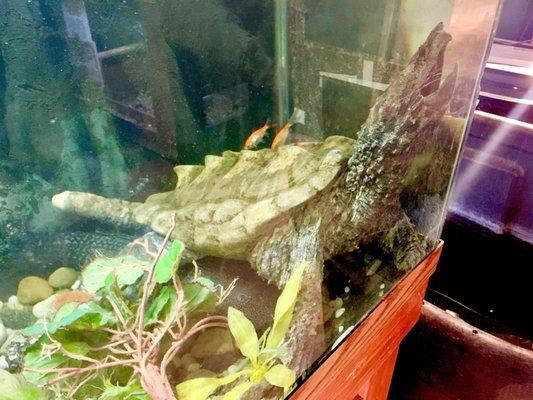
118	346
261	356
15	387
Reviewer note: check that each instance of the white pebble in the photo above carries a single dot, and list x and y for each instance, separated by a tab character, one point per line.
45	309
14	303
382	286
339	312
233	369
346	289
341	328
76	285
3	333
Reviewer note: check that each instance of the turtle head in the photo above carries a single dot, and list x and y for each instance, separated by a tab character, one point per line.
404	116
417	91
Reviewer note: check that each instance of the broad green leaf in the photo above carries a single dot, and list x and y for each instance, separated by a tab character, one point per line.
66	315
88	314
13	387
198	297
244	333
34	360
76	348
110	280
271	353
202	388
238	391
168	263
126	269
9	386
114	294
281	376
131	391
208	283
285	307
157	305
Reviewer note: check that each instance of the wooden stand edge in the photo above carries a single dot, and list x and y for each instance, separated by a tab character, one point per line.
361	367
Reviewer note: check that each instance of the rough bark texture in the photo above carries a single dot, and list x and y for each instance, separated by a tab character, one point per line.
280	208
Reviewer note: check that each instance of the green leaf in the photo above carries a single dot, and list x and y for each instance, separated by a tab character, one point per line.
34	360
131	391
126	270
238	391
110	280
199	298
281	376
77	348
114	295
244	333
202	388
157	305
285	307
88	314
168	264
208	283
14	387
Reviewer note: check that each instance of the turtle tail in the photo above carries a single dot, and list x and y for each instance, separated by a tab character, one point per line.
109	211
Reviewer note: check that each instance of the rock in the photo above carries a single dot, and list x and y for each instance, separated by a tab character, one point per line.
213	342
3	333
13	351
16	318
76	285
187	359
33	289
193	367
201	373
45	309
63	278
14	303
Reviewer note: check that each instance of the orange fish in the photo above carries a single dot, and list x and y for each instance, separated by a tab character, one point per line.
256	136
297	117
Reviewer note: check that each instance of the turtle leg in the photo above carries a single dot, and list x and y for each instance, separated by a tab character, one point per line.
406	245
275	258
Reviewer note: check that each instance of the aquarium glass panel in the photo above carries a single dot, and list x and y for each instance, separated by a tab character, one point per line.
203	198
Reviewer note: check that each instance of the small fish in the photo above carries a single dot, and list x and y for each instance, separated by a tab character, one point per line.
297	117
256	136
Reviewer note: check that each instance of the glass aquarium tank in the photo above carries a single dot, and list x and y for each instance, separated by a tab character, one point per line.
201	199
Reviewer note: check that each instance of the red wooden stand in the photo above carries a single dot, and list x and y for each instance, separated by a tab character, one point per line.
361	367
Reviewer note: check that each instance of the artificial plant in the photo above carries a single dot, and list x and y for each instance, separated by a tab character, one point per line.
262	356
120	347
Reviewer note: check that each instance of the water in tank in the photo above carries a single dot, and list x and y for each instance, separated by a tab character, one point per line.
200	199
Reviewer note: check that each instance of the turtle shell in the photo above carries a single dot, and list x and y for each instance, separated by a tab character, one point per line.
225	204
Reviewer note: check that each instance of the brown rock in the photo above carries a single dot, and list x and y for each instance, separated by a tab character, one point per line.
33	289
63	278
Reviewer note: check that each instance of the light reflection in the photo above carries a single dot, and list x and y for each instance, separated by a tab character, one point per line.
466	181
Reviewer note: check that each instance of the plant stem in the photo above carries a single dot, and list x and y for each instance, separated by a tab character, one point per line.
146	289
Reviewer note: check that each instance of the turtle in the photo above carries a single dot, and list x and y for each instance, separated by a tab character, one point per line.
279	208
